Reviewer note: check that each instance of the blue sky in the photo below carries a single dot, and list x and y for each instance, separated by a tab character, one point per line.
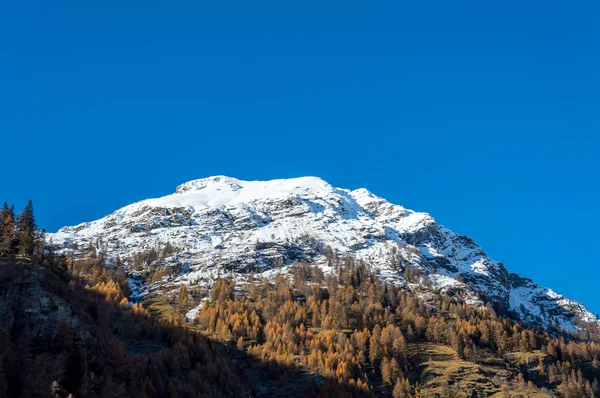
484	114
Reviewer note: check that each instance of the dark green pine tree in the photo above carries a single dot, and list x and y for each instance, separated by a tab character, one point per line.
7	231
26	230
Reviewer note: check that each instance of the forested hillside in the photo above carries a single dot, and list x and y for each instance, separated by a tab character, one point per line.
68	328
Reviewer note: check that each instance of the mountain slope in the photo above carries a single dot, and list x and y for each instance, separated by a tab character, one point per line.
221	224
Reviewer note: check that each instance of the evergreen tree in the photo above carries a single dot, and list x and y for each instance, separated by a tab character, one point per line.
40	254
26	228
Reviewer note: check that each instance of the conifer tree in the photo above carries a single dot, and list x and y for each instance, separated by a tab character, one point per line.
386	371
7	231
401	389
3	215
26	228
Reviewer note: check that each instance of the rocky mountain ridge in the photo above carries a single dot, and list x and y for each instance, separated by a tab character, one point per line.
226	225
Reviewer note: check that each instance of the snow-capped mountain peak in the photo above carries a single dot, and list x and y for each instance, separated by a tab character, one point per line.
222	223
280	186
227	192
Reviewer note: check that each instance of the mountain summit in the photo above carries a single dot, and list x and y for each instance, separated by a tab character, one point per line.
225	225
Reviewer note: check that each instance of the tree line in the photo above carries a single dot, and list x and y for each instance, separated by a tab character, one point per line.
19	235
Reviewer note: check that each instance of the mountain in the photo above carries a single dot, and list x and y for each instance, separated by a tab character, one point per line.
225	225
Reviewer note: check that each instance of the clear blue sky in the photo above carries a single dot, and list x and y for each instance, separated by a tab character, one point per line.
484	114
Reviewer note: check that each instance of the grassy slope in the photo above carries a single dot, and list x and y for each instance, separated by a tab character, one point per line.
441	371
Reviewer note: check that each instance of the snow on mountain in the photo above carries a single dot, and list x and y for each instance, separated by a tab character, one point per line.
227	225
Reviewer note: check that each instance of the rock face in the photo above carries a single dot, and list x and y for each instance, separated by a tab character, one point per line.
30	300
228	225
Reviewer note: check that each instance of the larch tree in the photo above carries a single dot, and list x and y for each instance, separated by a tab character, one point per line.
401	388
7	231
